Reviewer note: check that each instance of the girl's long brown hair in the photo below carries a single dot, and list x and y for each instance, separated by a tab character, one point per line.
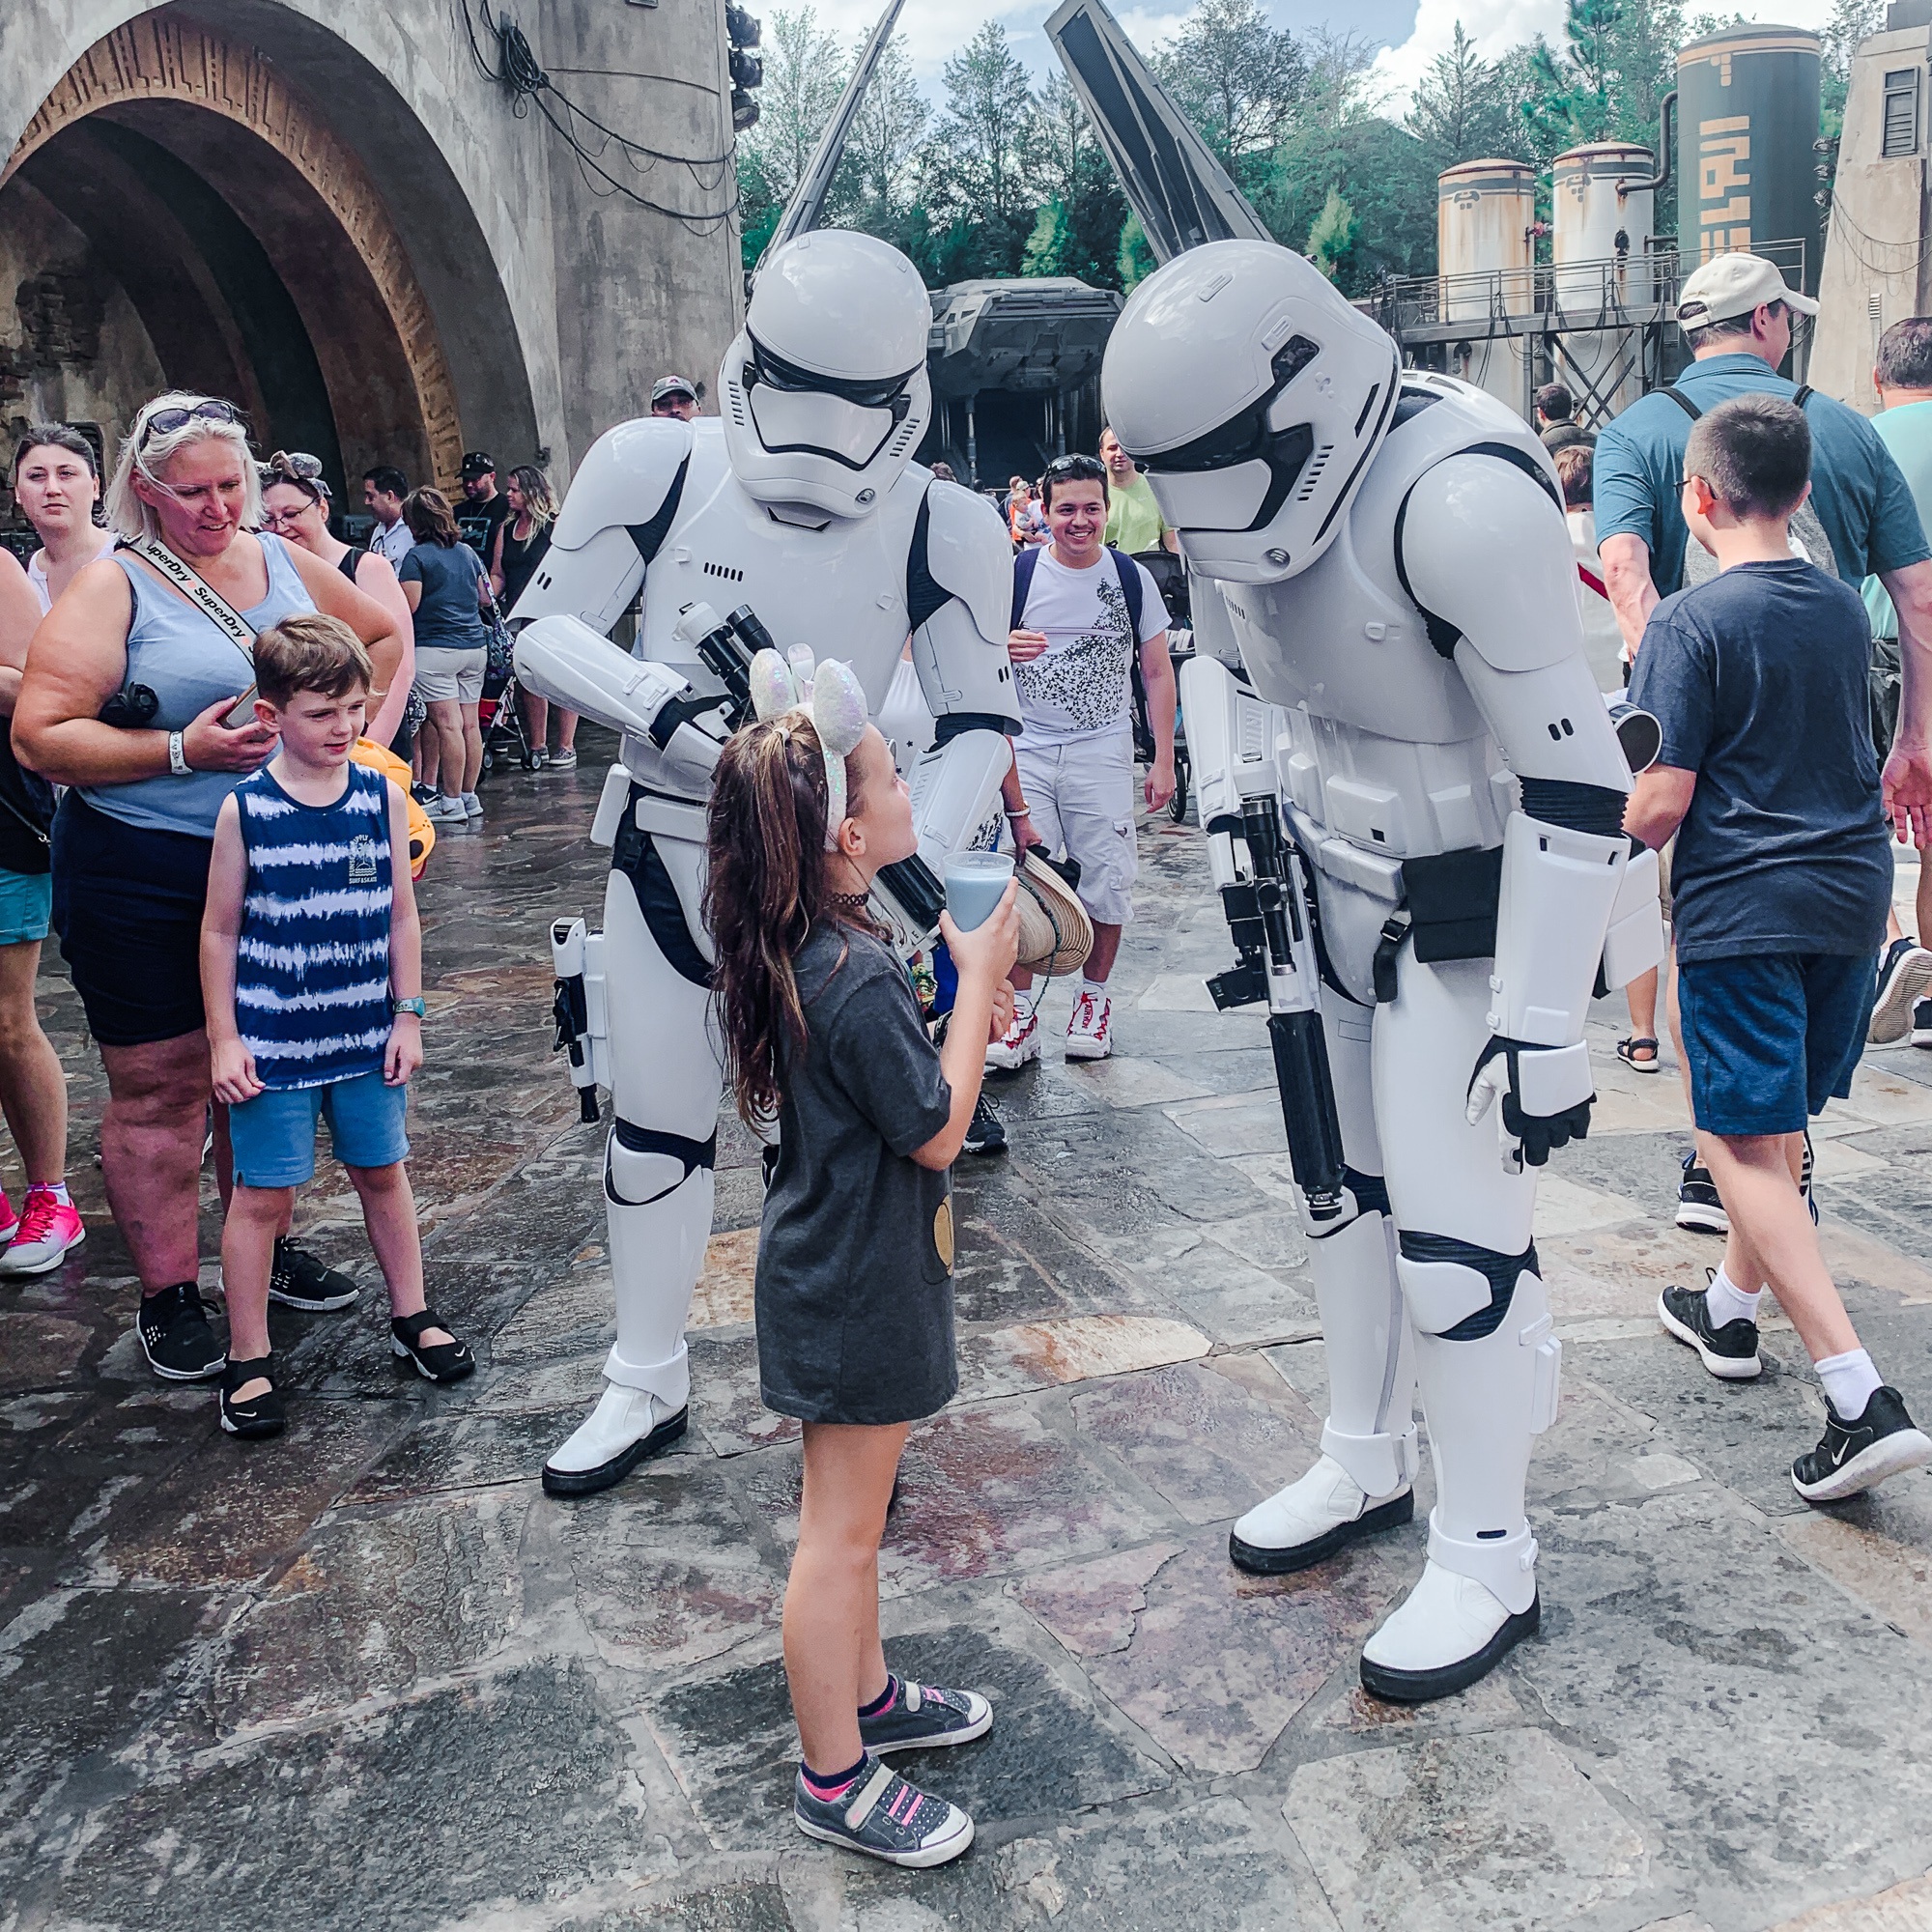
765	892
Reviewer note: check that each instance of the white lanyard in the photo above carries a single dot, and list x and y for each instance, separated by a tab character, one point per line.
209	601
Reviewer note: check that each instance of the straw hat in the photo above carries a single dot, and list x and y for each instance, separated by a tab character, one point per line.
1056	935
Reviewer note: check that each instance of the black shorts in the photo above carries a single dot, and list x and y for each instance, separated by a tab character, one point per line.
128	905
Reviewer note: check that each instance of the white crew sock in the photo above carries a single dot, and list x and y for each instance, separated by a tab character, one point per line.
1849	1381
1728	1302
1023	1001
1097	989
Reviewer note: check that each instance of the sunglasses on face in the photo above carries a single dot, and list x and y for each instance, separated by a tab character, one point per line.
164	422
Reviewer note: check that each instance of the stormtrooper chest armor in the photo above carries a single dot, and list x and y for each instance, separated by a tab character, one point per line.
837	585
1382	751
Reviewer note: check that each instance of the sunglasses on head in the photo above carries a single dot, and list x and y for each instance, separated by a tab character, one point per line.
164	422
1088	468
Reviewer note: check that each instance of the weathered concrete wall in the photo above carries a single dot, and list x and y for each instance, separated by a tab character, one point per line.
555	304
1879	212
642	292
71	346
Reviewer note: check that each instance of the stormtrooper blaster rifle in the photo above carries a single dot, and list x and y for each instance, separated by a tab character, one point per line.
1270	912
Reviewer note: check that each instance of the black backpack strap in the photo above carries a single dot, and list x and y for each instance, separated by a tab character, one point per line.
1023	569
1128	572
1683	402
1803	394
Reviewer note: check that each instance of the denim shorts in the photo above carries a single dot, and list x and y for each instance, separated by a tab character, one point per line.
1770	1037
273	1134
26	901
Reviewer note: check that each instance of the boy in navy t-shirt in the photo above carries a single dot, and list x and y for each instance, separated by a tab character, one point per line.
1781	884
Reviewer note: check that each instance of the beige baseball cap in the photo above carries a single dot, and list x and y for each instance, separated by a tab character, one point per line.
1733	285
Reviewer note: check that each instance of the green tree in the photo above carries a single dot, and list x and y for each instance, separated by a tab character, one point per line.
978	171
1135	259
1331	241
1238	77
1850	21
1465	108
805	73
1078	230
881	174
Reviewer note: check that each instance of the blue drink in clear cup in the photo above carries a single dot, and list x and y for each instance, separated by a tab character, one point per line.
975	882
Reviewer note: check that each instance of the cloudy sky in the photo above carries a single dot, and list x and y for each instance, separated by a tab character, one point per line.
1413	33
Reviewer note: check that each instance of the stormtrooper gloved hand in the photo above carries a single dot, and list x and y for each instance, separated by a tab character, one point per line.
1545	1092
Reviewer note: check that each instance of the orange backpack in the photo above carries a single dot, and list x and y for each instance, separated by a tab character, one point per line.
422	834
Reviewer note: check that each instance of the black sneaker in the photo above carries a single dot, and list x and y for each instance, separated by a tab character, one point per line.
921	1718
1729	1352
1855	1456
1904	975
1698	1203
175	1336
880	1814
1921	1023
301	1279
986	1135
261	1415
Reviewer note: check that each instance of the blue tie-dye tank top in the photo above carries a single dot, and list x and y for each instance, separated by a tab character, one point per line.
312	968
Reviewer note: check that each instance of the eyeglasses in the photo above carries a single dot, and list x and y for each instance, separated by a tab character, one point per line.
164	422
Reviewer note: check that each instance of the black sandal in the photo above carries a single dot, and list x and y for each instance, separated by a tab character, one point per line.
1626	1050
261	1415
435	1361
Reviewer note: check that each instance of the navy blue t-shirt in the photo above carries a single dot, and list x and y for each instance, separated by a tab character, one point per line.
449	617
1759	678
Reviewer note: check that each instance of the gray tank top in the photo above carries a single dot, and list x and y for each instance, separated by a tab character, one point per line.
188	662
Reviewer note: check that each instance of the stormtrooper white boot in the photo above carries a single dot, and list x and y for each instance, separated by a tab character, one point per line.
657	1248
1363	1481
1487	1399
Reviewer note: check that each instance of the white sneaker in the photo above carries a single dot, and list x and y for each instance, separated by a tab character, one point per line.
626	1426
1311	1518
472	805
1088	1032
1445	1635
1019	1043
443	810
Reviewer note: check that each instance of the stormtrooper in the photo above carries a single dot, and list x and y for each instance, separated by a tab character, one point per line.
800	513
1413	794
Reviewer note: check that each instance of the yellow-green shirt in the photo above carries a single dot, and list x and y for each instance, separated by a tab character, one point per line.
1134	521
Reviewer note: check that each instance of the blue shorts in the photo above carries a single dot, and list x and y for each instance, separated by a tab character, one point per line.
1771	1037
273	1134
26	903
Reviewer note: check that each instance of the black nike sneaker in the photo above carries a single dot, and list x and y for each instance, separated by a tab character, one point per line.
1698	1205
174	1333
985	1134
1855	1456
1729	1352
301	1279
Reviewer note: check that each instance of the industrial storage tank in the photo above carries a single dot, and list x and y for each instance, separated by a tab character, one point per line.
1602	217
1748	115
1485	254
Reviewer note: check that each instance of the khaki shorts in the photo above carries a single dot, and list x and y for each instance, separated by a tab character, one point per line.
1082	799
445	676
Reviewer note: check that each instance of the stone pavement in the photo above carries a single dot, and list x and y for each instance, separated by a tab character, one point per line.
369	1677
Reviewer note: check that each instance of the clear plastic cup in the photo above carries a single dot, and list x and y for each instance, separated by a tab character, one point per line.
974	884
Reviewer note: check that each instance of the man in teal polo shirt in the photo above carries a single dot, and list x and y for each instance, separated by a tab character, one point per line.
1736	312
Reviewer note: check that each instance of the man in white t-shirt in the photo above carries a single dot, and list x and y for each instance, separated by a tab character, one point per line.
1071	788
384	489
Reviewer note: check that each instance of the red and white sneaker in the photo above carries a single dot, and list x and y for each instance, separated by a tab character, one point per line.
47	1230
1090	1032
1019	1043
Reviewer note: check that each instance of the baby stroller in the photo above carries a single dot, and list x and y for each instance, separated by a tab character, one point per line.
1170	576
498	715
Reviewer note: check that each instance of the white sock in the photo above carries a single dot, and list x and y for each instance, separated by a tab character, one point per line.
1095	989
1023	999
1849	1381
1728	1302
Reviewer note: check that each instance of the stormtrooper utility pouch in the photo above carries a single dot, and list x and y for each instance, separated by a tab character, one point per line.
1453	900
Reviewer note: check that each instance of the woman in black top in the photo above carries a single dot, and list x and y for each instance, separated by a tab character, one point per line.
521	539
295	506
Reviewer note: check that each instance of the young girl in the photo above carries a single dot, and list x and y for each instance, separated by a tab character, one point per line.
855	1259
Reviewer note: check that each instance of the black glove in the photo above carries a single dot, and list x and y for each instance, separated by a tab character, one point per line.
1546	1094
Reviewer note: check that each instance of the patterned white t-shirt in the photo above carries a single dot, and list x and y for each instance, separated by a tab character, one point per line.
1079	685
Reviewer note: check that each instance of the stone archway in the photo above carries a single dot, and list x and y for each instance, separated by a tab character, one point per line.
225	111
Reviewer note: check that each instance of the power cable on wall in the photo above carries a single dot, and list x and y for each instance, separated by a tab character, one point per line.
518	68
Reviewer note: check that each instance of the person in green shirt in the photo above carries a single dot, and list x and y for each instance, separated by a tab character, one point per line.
1903	379
1134	521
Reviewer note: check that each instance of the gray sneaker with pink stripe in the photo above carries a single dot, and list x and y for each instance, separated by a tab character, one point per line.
880	1814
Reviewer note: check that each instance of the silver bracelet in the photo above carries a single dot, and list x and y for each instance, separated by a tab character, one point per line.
178	762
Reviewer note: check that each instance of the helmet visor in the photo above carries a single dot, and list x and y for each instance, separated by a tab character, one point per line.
799	412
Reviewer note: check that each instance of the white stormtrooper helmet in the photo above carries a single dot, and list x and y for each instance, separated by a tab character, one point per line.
1255	396
824	393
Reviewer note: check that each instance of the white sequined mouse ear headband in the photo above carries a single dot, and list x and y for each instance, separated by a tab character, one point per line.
831	696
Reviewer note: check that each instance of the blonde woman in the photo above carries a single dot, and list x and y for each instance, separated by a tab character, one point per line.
132	838
521	539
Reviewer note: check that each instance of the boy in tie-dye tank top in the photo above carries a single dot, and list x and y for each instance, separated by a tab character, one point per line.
311	967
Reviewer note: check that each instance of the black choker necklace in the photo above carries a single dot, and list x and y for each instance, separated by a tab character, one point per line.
853	901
